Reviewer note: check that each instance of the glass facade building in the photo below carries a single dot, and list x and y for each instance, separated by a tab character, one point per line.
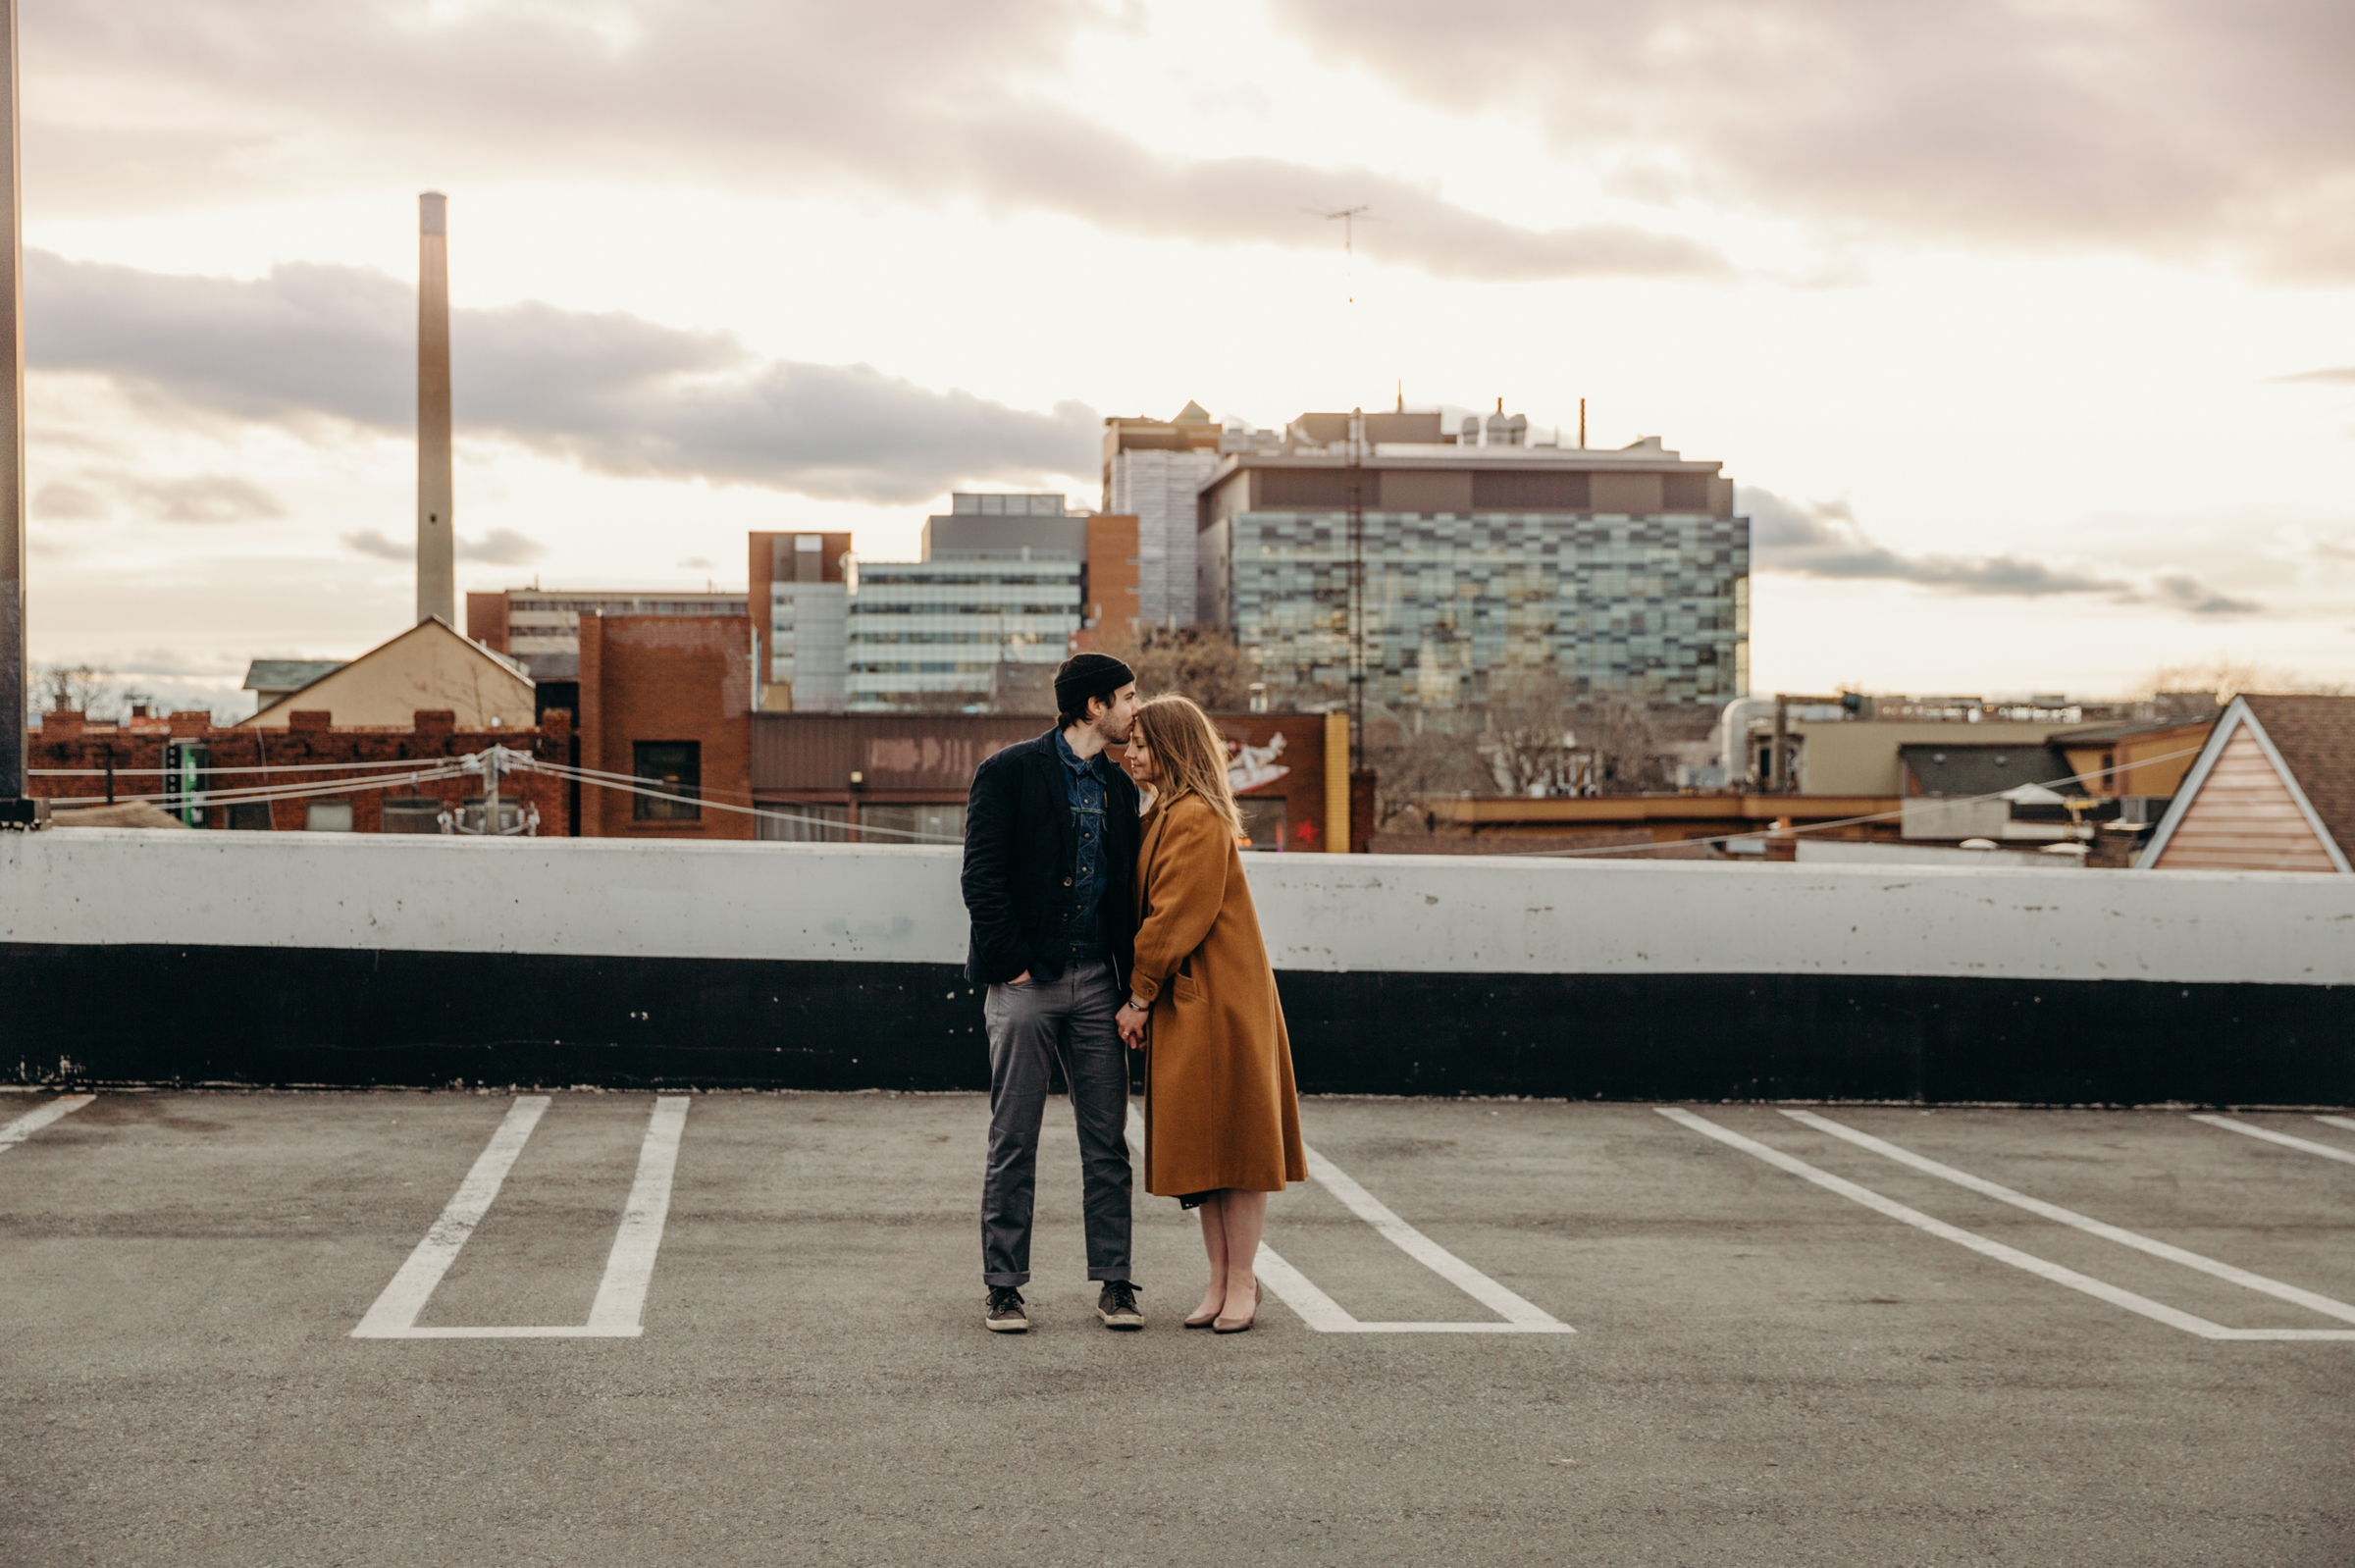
925	633
1622	572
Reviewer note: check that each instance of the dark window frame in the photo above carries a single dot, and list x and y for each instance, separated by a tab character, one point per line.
681	773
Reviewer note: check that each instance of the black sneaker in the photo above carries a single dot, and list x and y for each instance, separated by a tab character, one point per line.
1117	1305
1005	1315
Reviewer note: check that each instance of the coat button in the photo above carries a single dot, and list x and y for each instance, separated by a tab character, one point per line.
1066	881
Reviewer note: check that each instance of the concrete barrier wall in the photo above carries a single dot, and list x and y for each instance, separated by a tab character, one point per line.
300	958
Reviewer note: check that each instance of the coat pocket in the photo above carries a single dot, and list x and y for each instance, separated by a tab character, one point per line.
1185	988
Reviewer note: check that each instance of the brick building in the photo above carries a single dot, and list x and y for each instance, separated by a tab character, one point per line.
667	701
208	775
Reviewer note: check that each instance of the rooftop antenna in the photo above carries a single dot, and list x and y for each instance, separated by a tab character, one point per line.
1350	217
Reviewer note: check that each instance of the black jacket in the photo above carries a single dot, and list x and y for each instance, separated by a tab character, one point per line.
1020	848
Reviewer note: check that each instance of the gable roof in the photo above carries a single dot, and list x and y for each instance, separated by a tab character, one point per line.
417	668
2316	737
2248	769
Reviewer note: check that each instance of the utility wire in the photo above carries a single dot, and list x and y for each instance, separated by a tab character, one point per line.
613	782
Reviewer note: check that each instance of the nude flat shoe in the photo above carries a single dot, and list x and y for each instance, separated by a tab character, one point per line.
1259	1290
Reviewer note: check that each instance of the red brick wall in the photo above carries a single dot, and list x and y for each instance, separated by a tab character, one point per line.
487	620
666	678
139	745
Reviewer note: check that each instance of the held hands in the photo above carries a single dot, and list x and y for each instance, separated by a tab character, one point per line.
1130	1020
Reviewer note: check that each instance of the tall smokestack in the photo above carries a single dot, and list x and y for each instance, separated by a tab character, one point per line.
437	553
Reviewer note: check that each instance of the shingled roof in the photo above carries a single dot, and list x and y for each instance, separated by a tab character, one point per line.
2316	738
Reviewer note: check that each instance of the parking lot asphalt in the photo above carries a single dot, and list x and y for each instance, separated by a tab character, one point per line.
1766	1368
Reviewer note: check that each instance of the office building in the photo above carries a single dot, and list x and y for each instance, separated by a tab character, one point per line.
1000	582
1153	470
1486	551
800	592
541	629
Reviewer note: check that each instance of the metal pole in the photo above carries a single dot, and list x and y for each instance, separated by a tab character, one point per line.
1357	591
16	810
491	822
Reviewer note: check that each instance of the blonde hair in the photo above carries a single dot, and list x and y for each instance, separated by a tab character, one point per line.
1190	755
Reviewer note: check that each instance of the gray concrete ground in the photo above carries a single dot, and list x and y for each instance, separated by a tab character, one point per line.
1764	1372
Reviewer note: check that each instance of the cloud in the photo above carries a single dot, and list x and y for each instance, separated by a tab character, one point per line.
2181	129
2196	597
501	547
1823	539
62	502
372	541
695	563
2338	375
144	103
615	393
206	499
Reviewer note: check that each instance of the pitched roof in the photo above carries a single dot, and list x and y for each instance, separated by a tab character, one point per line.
288	674
2316	738
1979	768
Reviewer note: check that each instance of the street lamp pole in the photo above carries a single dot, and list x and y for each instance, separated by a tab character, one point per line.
18	809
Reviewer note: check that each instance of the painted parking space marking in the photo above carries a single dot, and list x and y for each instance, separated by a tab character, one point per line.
2282	1138
629	1268
32	1122
1326	1315
2070	1216
2041	1268
2347	1122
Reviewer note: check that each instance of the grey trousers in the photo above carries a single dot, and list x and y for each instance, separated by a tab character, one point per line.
1030	1027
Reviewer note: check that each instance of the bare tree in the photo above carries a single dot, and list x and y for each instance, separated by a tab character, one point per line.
76	689
1198	661
1526	735
1617	750
1410	763
2228	677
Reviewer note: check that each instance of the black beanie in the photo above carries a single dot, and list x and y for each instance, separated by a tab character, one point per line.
1086	675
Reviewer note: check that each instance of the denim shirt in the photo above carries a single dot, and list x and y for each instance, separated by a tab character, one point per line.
1084	782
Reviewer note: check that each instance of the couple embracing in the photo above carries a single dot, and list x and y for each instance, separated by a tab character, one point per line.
1110	914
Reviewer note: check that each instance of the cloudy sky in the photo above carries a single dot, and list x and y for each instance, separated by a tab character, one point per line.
2025	327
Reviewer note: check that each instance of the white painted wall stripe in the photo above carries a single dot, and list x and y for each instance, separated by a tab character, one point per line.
2018	1259
2282	1138
394	1314
2070	1216
621	1294
1419	914
32	1122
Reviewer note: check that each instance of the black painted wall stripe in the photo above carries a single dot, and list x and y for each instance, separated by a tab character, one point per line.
177	1014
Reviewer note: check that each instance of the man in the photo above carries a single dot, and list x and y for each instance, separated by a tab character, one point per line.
1050	866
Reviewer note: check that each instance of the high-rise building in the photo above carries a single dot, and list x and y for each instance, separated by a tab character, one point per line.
800	592
1153	469
1483	553
1000	582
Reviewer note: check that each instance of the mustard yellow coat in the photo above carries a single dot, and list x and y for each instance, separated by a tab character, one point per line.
1220	1107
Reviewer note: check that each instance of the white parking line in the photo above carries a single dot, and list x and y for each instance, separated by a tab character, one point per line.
32	1122
1993	1249
2070	1216
1326	1315
2282	1138
2338	1121
620	1294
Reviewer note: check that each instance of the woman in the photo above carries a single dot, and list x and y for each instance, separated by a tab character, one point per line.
1221	1120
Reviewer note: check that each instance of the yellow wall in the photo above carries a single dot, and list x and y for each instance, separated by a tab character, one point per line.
429	666
1859	757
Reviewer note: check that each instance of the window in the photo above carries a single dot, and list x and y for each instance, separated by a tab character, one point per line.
910	824
676	768
252	817
328	817
794	822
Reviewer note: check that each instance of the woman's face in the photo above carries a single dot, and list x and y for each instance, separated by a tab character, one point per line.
1138	759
